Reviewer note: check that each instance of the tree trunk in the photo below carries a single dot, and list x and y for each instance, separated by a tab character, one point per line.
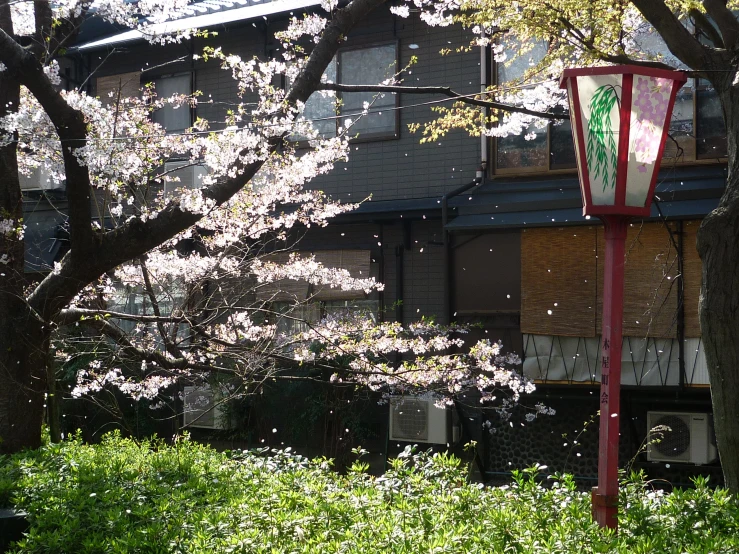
22	338
22	377
718	246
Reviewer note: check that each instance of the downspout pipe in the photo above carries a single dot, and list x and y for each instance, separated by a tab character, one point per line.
484	81
447	246
681	305
479	178
399	284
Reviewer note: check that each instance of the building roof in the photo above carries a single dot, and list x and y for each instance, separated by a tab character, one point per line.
681	193
201	15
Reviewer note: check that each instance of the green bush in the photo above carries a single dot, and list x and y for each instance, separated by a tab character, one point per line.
123	496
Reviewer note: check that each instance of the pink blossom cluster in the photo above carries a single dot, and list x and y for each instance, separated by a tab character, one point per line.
650	105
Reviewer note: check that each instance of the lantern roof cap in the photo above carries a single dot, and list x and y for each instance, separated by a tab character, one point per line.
680	76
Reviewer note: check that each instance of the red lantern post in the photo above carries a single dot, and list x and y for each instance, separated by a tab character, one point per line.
620	117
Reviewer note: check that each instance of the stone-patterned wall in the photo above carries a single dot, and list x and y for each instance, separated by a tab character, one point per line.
560	443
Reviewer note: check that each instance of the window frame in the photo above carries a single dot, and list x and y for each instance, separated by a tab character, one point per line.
363	137
532	170
689	144
323	308
190	110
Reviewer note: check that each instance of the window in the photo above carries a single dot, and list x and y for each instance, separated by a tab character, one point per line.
710	128
294	319
134	301
536	149
173	119
359	66
125	85
697	128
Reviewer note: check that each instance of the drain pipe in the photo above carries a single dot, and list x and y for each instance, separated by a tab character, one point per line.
479	178
399	284
484	80
447	246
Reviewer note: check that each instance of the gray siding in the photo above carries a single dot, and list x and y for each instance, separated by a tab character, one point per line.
423	279
404	168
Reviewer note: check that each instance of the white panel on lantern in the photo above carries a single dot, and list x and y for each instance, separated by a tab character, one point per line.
571	97
650	99
600	98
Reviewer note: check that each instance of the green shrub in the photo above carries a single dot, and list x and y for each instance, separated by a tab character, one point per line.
123	496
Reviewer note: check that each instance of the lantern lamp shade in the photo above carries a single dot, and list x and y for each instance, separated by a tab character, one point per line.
620	117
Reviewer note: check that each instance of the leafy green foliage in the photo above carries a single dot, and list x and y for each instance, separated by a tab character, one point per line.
123	496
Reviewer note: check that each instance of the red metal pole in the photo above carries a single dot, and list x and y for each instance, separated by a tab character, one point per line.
605	495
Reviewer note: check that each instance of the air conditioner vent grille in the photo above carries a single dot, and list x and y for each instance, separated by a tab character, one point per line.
675	442
200	410
411	417
680	437
418	419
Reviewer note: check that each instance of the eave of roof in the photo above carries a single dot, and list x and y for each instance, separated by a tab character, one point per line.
245	13
681	193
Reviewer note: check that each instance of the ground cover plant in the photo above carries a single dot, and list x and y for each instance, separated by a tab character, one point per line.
125	496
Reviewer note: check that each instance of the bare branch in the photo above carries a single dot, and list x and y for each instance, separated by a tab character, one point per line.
73	315
446	91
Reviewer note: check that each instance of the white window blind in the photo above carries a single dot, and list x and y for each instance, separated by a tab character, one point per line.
173	119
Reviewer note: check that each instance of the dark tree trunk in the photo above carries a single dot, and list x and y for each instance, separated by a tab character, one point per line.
22	340
22	377
718	246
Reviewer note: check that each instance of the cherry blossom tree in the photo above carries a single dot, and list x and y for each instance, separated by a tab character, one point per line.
210	262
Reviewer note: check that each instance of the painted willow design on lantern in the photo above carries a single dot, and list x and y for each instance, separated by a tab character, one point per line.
601	147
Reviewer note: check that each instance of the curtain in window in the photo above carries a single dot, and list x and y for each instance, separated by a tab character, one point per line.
172	118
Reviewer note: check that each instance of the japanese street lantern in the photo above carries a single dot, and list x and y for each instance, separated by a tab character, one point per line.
620	117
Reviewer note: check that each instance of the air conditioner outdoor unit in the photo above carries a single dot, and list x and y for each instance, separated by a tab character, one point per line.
414	419
689	439
183	175
202	409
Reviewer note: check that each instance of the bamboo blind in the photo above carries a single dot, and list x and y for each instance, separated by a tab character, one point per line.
128	84
650	287
693	275
562	279
558	281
